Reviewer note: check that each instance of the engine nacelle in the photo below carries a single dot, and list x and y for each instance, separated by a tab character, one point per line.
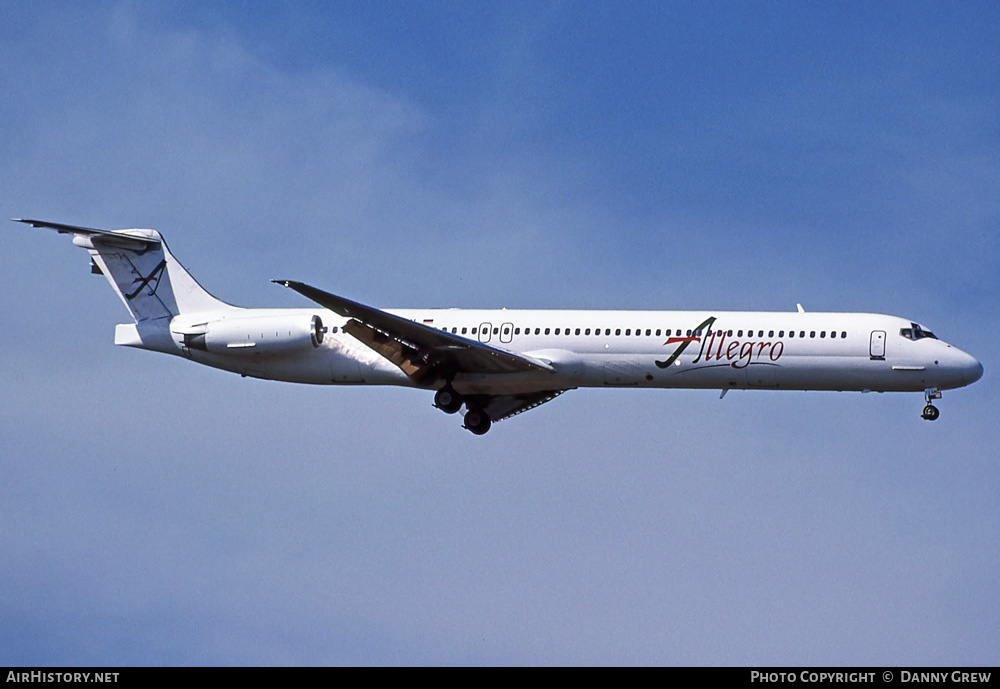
255	335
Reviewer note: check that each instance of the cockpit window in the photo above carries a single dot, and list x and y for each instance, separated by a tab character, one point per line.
915	332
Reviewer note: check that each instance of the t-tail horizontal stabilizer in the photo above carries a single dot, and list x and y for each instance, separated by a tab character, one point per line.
141	270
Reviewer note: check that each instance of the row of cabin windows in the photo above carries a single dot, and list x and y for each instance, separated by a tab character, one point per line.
649	332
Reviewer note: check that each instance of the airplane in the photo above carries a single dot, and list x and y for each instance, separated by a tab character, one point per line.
500	363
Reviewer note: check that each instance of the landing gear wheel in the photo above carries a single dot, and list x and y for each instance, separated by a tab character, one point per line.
477	421
930	412
447	400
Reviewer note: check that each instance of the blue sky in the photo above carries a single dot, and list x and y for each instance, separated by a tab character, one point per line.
531	155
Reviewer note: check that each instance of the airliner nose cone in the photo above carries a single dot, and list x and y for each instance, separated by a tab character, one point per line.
960	368
975	371
969	369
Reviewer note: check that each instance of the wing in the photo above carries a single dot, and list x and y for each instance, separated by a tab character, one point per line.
420	351
500	407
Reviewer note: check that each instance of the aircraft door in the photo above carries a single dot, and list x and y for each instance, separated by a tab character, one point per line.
878	344
507	332
485	332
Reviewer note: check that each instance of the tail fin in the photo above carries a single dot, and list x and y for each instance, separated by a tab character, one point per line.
141	270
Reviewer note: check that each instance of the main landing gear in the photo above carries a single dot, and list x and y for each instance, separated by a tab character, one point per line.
477	421
449	401
931	412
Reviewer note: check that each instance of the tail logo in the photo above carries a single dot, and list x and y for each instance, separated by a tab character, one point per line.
144	282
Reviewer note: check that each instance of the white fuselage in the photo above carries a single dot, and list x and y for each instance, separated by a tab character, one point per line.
499	363
654	349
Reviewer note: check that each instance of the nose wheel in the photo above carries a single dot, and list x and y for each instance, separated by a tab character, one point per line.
930	412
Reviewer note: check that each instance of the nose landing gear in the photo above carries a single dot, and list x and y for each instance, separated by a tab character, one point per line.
930	412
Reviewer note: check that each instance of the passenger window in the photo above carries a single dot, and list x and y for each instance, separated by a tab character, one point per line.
739	333
770	333
802	333
822	333
812	333
833	333
474	331
546	331
843	335
496	330
618	331
781	333
464	330
657	332
557	331
578	331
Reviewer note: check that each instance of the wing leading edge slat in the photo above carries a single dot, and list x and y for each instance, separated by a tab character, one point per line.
502	407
